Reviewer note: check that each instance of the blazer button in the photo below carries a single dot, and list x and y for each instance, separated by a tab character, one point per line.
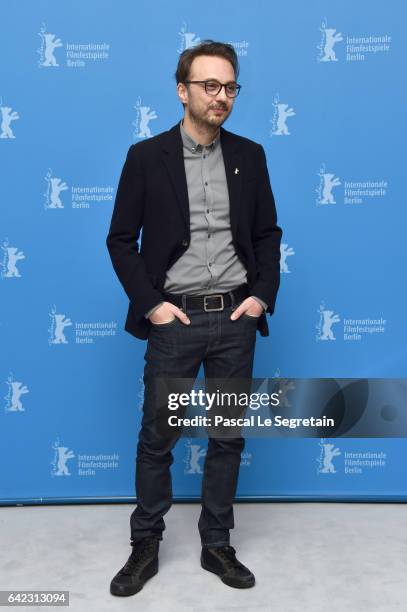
185	242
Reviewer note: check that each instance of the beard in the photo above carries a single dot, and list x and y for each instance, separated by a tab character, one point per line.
207	119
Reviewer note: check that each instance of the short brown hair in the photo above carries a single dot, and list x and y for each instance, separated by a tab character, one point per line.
206	47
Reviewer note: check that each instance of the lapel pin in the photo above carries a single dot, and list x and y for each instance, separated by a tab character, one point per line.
236	170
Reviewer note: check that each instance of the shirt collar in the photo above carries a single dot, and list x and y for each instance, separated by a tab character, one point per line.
194	146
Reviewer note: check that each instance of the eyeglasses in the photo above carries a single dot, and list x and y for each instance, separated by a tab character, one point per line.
212	87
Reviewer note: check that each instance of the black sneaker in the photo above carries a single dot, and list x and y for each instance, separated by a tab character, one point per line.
140	566
222	561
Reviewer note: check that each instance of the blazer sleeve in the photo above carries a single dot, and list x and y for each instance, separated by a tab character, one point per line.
266	238
124	231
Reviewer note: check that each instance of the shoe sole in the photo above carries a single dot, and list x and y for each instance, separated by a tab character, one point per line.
229	581
126	591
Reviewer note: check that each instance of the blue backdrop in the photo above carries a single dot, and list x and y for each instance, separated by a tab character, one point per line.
321	91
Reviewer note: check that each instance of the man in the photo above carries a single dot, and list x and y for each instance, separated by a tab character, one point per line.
206	273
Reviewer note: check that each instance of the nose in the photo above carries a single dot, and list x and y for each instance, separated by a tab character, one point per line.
222	97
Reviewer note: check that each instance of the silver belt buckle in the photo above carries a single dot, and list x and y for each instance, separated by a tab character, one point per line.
215	295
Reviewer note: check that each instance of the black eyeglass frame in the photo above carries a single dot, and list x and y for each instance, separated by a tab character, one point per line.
238	87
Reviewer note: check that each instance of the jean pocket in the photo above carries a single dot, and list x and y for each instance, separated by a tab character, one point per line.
254	317
166	324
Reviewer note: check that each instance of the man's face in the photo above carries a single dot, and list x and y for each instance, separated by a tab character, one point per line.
203	109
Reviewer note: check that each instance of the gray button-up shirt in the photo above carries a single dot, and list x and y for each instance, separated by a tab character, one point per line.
210	264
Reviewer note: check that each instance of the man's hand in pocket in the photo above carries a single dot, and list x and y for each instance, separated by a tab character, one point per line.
250	307
166	313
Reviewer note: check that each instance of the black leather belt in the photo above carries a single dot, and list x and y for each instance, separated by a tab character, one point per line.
209	302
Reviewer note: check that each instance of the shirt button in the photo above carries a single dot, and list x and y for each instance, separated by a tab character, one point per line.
204	156
210	263
206	183
207	210
185	242
209	235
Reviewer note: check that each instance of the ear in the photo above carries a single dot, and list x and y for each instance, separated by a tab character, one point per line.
182	92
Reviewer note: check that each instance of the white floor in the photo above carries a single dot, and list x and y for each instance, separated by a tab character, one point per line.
307	557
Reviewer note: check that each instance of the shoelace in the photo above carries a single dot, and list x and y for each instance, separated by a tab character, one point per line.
227	553
138	556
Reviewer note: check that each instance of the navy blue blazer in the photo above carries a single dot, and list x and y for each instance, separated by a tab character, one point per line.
152	201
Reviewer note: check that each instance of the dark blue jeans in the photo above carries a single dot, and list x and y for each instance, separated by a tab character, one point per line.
174	349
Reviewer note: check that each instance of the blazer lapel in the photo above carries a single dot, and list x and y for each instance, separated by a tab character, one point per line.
174	160
233	169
